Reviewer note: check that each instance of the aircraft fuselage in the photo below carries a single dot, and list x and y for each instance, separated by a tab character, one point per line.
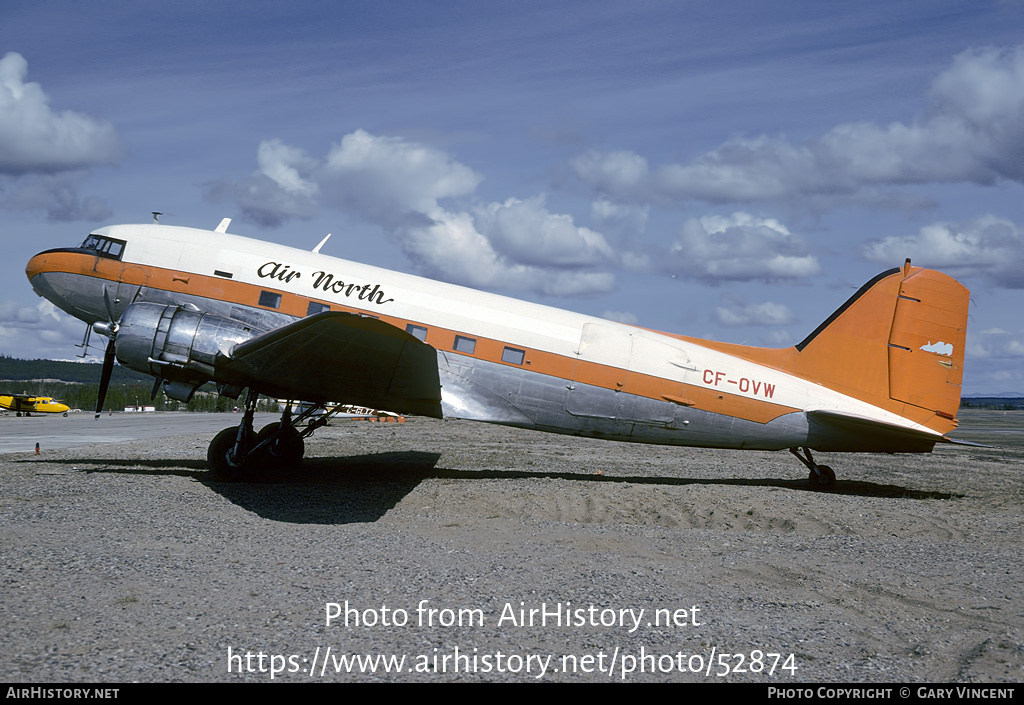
499	359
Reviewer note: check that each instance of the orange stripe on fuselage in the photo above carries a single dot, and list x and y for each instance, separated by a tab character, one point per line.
552	364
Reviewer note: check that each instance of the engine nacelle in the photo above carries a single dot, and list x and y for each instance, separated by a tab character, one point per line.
178	344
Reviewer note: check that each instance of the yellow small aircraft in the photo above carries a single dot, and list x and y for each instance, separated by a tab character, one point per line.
27	404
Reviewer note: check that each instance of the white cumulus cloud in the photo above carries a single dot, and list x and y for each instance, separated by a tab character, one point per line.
45	154
971	132
451	248
386	178
739	247
526	232
57	195
282	187
37	330
618	172
767	313
288	167
986	246
407	189
34	138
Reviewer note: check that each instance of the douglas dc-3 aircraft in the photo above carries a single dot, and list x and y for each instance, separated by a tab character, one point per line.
189	306
29	404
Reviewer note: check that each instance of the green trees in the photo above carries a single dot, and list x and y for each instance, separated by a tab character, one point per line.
77	385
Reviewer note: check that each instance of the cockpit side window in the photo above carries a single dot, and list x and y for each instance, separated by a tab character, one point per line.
104	246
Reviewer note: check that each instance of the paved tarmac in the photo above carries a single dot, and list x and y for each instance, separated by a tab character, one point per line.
53	431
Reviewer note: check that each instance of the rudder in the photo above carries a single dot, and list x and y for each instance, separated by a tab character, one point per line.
926	345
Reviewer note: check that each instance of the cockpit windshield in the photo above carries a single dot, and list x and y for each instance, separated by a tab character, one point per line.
104	246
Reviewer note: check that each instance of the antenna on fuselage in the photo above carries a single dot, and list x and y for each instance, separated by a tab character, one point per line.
316	249
156	216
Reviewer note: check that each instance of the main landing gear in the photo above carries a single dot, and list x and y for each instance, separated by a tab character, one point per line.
239	453
822	477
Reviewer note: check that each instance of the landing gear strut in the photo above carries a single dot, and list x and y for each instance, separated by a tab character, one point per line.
236	452
821	477
231	451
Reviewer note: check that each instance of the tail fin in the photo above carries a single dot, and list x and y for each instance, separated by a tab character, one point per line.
897	343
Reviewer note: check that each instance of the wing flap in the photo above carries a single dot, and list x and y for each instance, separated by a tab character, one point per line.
344	358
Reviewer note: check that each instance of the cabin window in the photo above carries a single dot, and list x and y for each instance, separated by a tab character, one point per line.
270	299
316	307
104	246
464	345
417	331
513	356
226	275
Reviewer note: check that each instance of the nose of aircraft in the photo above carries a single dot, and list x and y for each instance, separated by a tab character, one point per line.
36	265
67	279
37	270
48	274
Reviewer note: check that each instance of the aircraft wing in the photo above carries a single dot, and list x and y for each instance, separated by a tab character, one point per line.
344	358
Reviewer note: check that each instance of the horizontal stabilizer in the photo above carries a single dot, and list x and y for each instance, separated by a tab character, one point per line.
836	431
343	358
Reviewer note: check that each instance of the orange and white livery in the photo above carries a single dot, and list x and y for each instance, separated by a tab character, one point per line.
190	306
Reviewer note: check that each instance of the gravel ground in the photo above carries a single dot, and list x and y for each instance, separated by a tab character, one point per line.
125	562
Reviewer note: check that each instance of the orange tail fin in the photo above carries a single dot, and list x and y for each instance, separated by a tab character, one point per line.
897	343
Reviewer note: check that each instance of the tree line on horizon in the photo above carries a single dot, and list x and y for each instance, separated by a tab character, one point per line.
119	396
15	369
77	385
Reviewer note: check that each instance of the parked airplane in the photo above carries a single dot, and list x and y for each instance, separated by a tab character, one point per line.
28	404
189	306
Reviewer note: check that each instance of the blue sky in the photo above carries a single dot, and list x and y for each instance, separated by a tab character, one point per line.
731	171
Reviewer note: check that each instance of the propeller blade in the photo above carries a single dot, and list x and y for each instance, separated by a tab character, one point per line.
108	367
110	307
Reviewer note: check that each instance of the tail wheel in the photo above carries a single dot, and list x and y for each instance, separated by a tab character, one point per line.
822	477
286	447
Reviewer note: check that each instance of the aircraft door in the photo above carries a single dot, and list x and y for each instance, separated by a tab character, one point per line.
601	361
641	368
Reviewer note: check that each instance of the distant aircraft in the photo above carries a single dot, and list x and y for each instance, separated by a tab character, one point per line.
28	404
882	374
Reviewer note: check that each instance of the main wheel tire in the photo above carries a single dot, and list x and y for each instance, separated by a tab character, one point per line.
287	450
218	455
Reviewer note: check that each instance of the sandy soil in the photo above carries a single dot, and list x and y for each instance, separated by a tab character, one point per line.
125	562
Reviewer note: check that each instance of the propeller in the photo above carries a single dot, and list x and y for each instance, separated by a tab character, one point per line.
108	367
108	329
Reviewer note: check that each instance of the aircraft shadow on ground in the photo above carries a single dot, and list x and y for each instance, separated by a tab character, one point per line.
362	488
